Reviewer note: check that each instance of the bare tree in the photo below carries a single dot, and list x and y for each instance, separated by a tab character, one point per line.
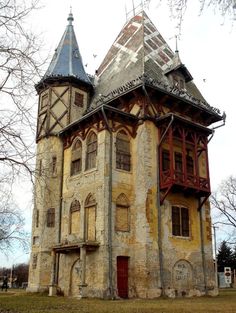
12	233
223	200
19	71
178	8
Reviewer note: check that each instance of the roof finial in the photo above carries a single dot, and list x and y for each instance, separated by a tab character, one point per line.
70	18
176	44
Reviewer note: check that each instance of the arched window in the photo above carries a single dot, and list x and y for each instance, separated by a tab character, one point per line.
90	218
91	151
76	158
123	151
122	213
51	217
180	221
74	217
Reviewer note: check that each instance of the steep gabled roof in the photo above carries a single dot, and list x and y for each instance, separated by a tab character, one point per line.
138	56
67	61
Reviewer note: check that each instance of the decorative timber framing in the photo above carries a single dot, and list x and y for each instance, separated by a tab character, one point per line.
183	157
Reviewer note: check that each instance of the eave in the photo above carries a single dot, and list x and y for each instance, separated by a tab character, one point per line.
45	82
97	114
167	117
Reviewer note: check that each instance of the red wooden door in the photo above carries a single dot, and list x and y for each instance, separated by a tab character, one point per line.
122	276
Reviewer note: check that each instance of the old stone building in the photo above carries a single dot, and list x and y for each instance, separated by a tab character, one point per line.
121	196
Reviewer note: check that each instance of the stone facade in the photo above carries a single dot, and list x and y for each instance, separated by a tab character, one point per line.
108	221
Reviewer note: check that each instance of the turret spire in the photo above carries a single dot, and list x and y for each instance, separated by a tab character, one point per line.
67	61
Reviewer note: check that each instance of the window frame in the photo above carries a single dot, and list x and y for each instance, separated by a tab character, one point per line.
50	217
89	205
91	150
122	203
123	156
76	158
74	207
180	221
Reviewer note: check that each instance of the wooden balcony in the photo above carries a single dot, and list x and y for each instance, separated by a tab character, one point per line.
187	183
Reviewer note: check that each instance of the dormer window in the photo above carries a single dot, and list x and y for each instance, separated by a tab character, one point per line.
178	81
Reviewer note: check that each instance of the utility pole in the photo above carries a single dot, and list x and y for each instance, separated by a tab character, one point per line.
216	265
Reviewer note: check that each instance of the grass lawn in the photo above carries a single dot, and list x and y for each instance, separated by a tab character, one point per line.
22	302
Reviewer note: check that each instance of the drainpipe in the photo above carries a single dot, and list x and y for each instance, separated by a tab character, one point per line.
200	205
111	291
60	214
158	204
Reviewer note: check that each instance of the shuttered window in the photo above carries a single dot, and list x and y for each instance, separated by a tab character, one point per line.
76	158
122	214
190	166
178	162
123	157
79	99
51	217
180	221
74	217
90	218
91	151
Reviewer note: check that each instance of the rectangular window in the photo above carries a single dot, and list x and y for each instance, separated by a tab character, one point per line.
178	162
180	221
51	217
76	166
123	161
35	240
190	166
91	155
165	160
79	99
123	157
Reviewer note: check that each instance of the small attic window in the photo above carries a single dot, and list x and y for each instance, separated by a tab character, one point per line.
79	99
178	81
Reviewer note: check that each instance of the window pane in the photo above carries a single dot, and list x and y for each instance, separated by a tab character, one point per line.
76	158
165	160
79	99
178	162
123	158
176	221
185	222
51	217
190	168
91	151
75	167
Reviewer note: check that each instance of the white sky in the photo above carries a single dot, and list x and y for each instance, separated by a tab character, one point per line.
207	47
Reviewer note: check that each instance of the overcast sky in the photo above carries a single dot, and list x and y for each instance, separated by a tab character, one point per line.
207	46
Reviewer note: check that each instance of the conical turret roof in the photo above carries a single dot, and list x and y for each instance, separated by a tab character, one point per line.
67	61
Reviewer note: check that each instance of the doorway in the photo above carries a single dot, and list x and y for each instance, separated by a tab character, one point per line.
122	276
